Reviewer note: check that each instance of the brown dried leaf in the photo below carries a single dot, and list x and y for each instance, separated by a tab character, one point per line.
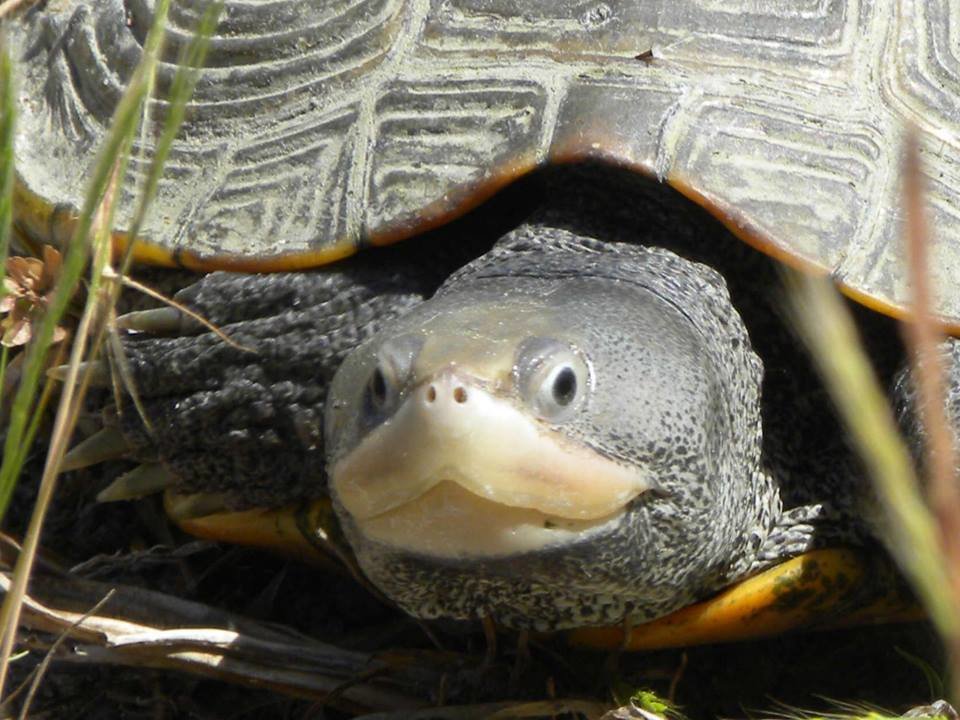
25	272
28	285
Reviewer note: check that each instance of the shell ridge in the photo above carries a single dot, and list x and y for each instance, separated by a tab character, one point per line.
358	192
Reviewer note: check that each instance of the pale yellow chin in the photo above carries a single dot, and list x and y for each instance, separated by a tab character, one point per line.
449	521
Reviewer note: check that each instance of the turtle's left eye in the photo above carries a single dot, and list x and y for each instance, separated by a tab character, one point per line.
552	377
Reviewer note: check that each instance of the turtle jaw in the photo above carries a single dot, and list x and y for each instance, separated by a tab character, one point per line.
449	521
458	471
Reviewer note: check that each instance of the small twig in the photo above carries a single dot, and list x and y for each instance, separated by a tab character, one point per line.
195	638
337	692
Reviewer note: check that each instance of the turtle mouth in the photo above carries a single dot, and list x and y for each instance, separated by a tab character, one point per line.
459	471
449	521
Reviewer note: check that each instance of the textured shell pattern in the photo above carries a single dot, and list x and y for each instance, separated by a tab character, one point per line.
320	125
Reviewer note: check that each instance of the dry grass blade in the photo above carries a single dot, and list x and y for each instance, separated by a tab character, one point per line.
8	111
829	330
924	539
96	221
69	406
146	290
121	374
923	337
39	411
124	125
191	60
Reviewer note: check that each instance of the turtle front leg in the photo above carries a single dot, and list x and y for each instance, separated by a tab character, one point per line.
241	421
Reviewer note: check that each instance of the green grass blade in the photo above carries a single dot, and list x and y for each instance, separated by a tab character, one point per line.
8	112
120	136
109	174
4	358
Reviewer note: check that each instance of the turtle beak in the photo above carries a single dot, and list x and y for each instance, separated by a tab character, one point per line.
459	469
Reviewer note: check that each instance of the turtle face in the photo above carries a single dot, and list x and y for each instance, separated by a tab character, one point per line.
538	436
473	427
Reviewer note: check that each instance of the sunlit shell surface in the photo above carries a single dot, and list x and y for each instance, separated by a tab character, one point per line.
318	124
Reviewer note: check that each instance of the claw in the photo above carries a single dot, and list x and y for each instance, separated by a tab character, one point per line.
99	372
181	508
108	444
159	321
145	479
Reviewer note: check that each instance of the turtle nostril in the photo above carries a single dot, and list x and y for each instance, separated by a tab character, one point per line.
460	394
431	394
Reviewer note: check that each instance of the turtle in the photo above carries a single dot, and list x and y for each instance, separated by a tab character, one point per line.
598	419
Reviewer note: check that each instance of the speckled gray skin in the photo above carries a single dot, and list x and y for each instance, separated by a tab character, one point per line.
677	391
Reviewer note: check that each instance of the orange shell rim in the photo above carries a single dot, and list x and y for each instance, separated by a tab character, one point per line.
37	219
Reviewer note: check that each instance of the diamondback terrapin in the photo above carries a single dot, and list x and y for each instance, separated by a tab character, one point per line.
576	430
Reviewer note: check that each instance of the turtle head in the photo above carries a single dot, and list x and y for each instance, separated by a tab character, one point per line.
568	432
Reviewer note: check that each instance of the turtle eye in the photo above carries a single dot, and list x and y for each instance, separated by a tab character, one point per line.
553	378
379	390
392	372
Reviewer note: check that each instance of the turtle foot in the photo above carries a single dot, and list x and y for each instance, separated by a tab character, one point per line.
307	531
821	590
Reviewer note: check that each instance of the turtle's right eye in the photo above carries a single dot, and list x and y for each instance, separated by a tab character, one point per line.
378	392
392	373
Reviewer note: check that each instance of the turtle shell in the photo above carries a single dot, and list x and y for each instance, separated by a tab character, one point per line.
322	125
